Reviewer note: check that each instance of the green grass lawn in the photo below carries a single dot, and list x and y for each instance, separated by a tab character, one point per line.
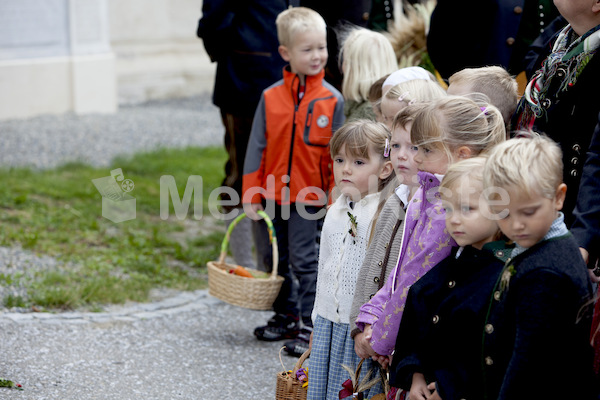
58	213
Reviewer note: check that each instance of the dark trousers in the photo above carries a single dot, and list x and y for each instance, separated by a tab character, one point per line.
237	133
298	260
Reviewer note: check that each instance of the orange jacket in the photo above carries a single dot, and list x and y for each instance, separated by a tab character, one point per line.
290	138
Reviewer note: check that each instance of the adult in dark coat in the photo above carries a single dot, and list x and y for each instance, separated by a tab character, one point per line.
476	33
586	227
241	37
561	100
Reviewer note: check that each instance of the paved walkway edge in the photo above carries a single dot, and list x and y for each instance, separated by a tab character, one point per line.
182	302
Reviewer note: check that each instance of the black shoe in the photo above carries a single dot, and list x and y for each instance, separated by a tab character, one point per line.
279	327
298	346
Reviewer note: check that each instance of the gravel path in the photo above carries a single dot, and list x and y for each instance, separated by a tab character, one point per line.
188	346
180	346
51	140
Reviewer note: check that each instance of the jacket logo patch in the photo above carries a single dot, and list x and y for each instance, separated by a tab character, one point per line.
322	121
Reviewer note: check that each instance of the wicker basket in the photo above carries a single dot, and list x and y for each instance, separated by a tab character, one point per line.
253	293
288	387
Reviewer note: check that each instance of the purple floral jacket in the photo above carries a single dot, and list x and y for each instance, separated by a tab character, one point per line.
425	243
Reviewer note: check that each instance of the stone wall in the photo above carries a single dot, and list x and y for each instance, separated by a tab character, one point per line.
158	53
92	55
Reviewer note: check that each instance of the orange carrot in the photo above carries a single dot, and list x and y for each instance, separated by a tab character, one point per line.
241	271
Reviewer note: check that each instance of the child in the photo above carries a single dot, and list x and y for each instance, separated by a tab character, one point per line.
536	336
446	130
439	340
361	170
405	93
493	81
287	152
366	55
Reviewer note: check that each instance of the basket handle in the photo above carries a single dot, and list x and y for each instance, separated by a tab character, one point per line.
272	239
301	360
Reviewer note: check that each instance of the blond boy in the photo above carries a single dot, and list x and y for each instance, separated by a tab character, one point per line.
494	82
536	336
287	167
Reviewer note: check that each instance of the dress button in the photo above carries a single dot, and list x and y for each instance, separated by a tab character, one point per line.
576	147
546	103
376	279
574	160
518	10
365	16
380	263
386	245
497	295
451	284
436	319
574	173
489	328
510	41
489	361
499	253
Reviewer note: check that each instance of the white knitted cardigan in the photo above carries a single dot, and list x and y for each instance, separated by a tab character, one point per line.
341	256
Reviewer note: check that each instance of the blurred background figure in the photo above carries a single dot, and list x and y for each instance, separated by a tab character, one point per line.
240	36
477	33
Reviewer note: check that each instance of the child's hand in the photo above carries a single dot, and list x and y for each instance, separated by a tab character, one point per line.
251	210
362	345
385	361
434	394
418	388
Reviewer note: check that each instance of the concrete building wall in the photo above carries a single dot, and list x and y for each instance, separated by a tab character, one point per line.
92	55
157	52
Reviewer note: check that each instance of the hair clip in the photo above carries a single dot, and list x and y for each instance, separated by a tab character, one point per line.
483	110
386	151
403	96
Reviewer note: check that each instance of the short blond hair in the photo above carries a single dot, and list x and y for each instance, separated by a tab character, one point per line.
530	164
495	82
454	121
296	20
366	56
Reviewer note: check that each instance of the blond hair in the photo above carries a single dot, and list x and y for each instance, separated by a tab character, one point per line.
453	181
360	136
495	82
530	164
455	121
470	167
297	20
365	57
414	91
